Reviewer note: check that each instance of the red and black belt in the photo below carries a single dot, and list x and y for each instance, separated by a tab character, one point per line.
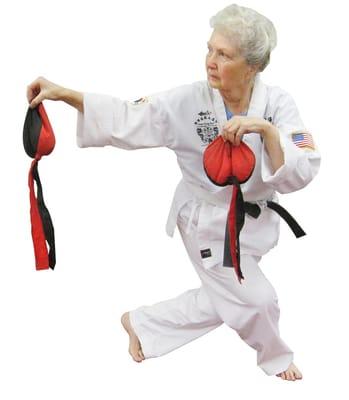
38	141
226	164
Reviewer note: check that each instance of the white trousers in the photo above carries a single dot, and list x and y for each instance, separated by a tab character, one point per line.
250	308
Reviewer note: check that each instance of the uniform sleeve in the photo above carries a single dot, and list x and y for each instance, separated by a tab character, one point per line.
301	153
108	120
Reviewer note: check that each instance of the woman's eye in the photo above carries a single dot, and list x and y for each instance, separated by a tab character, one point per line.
220	53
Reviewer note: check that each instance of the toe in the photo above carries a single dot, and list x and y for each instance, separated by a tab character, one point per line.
140	352
288	375
134	354
298	375
137	358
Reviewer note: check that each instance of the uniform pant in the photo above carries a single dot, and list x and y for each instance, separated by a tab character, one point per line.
250	308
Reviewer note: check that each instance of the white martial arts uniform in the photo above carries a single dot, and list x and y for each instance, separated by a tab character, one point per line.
186	119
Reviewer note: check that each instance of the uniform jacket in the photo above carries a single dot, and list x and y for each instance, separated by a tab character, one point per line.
186	119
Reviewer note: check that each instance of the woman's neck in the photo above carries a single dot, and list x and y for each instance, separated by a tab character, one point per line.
238	101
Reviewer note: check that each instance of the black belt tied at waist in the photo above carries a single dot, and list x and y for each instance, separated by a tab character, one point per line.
241	208
254	210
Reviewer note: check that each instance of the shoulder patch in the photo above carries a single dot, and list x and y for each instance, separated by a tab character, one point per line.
303	139
140	101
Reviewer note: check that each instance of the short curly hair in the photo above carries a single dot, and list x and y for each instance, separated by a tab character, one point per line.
254	34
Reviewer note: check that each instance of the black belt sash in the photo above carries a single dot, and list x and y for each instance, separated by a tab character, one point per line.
254	211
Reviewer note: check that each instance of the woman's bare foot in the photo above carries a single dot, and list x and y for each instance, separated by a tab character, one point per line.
134	348
291	374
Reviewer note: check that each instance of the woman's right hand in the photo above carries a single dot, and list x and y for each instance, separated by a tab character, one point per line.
42	89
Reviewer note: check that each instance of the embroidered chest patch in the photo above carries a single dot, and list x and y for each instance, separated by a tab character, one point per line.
206	126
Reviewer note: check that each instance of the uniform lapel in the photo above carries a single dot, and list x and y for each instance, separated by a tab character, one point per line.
259	99
218	105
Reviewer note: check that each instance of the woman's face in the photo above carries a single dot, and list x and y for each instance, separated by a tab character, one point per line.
226	68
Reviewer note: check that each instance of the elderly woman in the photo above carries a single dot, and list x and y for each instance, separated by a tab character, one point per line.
236	104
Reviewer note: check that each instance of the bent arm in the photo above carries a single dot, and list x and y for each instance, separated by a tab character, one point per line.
271	138
301	158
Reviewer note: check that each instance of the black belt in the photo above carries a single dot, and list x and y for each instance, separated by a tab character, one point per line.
254	210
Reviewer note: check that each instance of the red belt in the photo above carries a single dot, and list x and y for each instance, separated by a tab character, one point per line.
39	140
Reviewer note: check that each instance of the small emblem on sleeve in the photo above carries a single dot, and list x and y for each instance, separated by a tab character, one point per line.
205	253
140	101
303	140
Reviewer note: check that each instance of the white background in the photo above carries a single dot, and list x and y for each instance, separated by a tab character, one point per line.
60	331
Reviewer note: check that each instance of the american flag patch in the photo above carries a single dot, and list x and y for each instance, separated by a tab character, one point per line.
303	140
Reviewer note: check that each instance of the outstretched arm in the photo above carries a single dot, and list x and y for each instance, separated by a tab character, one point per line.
107	120
73	98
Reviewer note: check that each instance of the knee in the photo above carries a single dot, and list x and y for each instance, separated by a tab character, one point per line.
264	297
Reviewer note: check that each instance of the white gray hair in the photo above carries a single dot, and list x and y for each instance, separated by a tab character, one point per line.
254	34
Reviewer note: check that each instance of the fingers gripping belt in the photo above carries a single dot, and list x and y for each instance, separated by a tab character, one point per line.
39	140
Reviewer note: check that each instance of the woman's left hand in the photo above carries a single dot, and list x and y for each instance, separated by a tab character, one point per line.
236	127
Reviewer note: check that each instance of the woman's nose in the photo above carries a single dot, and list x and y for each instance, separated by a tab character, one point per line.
210	61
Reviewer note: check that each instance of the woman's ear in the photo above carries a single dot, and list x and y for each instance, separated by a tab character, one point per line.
252	71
